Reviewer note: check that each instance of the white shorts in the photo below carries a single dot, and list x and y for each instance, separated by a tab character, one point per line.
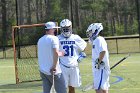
72	76
101	79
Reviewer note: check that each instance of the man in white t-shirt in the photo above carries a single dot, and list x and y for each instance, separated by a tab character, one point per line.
73	45
48	52
100	58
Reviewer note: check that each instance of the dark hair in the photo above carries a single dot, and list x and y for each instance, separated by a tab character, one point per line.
101	33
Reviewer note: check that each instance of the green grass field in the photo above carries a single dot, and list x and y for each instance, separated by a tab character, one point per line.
128	70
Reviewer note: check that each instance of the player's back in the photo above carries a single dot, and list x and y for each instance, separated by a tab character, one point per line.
45	53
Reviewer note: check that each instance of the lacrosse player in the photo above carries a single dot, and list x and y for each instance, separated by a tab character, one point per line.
100	58
48	52
73	45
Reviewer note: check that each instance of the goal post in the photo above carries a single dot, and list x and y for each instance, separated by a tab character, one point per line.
24	40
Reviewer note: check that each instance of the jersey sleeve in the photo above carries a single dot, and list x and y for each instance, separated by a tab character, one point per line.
81	44
55	42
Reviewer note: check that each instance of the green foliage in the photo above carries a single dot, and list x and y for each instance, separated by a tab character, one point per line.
56	12
119	29
134	27
96	6
12	21
90	11
39	33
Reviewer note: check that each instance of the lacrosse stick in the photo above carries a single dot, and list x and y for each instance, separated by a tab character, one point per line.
53	86
119	61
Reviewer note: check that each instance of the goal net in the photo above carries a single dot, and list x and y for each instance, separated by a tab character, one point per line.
24	38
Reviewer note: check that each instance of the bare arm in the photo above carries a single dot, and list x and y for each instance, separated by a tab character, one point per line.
56	53
101	56
55	59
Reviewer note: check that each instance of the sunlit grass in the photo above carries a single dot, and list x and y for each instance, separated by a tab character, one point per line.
128	70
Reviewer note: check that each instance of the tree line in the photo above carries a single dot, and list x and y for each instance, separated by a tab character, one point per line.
119	17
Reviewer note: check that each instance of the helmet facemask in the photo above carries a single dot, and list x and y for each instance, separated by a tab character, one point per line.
89	33
95	34
66	31
91	36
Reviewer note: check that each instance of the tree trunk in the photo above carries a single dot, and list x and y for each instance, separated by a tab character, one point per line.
137	2
4	26
71	10
112	30
21	12
125	25
77	16
40	10
29	12
114	26
37	11
46	7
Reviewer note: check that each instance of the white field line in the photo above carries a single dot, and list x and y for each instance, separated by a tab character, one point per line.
15	89
7	66
138	88
14	66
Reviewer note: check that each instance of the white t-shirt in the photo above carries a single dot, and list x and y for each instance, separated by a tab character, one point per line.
72	46
46	44
99	45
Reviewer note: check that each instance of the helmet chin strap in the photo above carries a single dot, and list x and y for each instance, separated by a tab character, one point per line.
65	36
94	37
91	39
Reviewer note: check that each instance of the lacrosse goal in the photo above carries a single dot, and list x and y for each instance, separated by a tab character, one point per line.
24	39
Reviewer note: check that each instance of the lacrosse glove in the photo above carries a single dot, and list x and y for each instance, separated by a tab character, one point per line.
82	55
98	65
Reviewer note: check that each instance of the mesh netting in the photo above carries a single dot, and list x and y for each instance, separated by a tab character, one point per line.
26	53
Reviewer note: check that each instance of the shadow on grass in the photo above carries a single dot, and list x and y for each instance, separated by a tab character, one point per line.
25	85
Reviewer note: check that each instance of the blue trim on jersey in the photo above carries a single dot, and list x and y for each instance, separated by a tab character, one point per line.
101	79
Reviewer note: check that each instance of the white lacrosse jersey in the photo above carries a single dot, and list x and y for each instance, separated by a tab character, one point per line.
46	44
99	45
72	46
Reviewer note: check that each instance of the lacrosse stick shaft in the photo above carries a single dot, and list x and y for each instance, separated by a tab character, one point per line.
119	62
53	90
